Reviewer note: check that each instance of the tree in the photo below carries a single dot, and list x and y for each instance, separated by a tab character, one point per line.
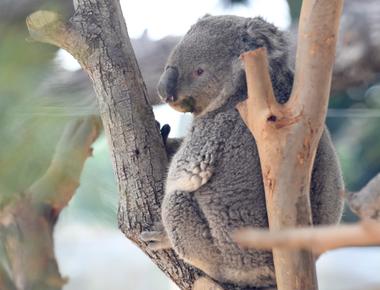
27	223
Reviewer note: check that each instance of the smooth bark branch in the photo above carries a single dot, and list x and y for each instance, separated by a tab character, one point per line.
318	239
96	35
366	203
287	135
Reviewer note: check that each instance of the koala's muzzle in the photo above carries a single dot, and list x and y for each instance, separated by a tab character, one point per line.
167	85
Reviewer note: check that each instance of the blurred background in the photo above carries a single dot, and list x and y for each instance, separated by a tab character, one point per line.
42	88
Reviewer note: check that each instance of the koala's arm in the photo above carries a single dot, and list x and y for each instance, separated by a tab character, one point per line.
327	187
191	167
194	163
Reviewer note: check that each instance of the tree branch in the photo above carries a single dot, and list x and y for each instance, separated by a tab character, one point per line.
96	35
318	239
287	135
366	203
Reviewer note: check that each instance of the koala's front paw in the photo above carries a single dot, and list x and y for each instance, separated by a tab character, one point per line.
201	173
157	240
190	180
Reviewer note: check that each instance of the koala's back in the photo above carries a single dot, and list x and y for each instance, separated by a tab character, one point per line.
234	195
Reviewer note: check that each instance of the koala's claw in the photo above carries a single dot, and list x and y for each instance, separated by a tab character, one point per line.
164	130
157	240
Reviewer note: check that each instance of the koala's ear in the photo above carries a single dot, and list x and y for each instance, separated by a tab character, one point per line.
259	33
238	76
205	16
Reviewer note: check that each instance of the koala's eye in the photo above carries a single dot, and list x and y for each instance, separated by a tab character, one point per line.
199	72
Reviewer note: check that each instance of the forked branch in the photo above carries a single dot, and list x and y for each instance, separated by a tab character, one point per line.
287	135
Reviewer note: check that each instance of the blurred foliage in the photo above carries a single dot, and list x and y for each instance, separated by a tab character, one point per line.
357	134
295	9
30	129
26	140
96	198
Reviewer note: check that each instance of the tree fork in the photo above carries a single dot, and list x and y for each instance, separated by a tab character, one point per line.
287	135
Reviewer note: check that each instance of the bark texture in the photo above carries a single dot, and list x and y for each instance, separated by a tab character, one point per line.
96	35
27	224
287	135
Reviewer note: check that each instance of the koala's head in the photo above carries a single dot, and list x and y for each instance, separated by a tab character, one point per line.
204	67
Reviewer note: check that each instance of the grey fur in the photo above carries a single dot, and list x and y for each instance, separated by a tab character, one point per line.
214	184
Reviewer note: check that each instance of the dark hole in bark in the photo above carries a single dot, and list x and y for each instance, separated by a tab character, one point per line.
272	118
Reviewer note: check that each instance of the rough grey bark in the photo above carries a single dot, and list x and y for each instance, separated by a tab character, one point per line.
96	35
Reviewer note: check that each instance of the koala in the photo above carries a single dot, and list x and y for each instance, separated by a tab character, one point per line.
214	184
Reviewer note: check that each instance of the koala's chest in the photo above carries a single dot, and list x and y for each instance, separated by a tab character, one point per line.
233	150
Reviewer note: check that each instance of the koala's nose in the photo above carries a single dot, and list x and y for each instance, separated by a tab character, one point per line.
167	85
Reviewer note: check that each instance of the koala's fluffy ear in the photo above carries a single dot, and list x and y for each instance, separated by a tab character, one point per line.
237	77
259	33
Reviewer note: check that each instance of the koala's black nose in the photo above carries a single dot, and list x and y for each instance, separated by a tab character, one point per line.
167	85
